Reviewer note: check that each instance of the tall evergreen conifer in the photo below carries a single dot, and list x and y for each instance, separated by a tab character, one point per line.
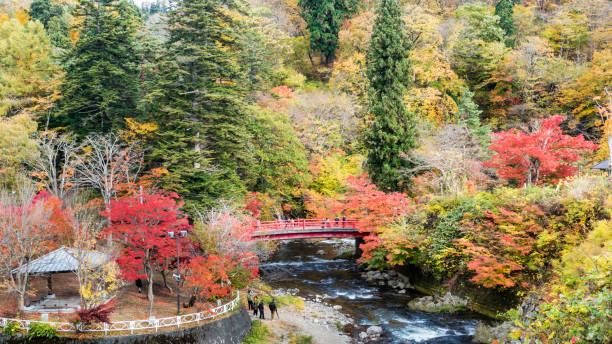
504	9
202	138
393	129
324	19
100	87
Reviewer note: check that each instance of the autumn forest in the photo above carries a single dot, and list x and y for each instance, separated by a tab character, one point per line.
460	135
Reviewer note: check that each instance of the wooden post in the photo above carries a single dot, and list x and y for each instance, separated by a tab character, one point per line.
49	284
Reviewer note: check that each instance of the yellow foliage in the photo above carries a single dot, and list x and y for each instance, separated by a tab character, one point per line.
137	131
4	17
430	103
16	144
21	16
579	95
594	253
331	171
30	81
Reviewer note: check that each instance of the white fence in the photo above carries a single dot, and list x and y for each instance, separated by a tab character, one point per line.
133	325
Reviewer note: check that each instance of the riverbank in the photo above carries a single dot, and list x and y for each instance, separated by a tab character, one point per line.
305	322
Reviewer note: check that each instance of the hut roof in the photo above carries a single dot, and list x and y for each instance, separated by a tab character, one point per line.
604	165
63	260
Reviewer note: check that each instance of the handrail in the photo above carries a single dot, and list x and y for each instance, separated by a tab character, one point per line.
133	325
304	224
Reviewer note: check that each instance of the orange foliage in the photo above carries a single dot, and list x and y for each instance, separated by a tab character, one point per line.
283	92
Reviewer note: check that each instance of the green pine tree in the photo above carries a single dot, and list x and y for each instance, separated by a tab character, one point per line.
203	137
324	19
101	83
469	116
504	9
56	19
393	129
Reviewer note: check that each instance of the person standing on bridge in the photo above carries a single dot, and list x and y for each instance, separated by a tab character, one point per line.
328	222
337	220
343	220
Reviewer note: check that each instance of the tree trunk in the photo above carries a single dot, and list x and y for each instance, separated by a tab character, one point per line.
108	222
20	303
163	273
150	289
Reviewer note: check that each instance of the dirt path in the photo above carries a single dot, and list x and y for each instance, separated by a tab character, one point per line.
316	320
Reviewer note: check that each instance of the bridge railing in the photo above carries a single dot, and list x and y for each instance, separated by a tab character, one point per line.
297	224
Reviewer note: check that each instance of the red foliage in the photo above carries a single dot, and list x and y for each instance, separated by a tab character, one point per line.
207	273
100	314
253	205
372	208
142	224
490	272
545	154
59	218
499	244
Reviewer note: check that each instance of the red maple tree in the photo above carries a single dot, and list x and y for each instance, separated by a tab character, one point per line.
208	276
545	154
374	209
142	223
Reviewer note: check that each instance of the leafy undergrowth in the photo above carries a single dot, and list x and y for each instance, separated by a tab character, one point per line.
259	334
506	239
300	339
578	304
265	291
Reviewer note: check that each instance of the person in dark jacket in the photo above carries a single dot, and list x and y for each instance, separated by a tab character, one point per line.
261	309
255	306
273	309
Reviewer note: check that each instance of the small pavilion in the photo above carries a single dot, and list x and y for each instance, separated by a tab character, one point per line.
61	261
604	166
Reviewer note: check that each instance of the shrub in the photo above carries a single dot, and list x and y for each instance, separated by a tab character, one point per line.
12	328
41	330
258	335
100	313
579	308
300	339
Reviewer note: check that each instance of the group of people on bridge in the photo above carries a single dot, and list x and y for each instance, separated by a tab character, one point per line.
256	304
284	223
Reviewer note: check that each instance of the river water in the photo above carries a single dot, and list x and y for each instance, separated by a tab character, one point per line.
309	266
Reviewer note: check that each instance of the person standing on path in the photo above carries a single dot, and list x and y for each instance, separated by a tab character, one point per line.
255	306
261	309
273	309
250	300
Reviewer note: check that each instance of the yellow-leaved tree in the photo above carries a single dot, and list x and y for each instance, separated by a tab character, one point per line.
97	273
28	88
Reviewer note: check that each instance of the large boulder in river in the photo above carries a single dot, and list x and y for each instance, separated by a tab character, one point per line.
374	333
439	303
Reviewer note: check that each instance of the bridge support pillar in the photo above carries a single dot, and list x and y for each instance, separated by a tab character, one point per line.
358	251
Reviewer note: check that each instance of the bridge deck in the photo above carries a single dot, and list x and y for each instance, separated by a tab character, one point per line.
306	228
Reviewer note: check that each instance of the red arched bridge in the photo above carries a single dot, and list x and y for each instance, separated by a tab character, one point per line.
308	229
